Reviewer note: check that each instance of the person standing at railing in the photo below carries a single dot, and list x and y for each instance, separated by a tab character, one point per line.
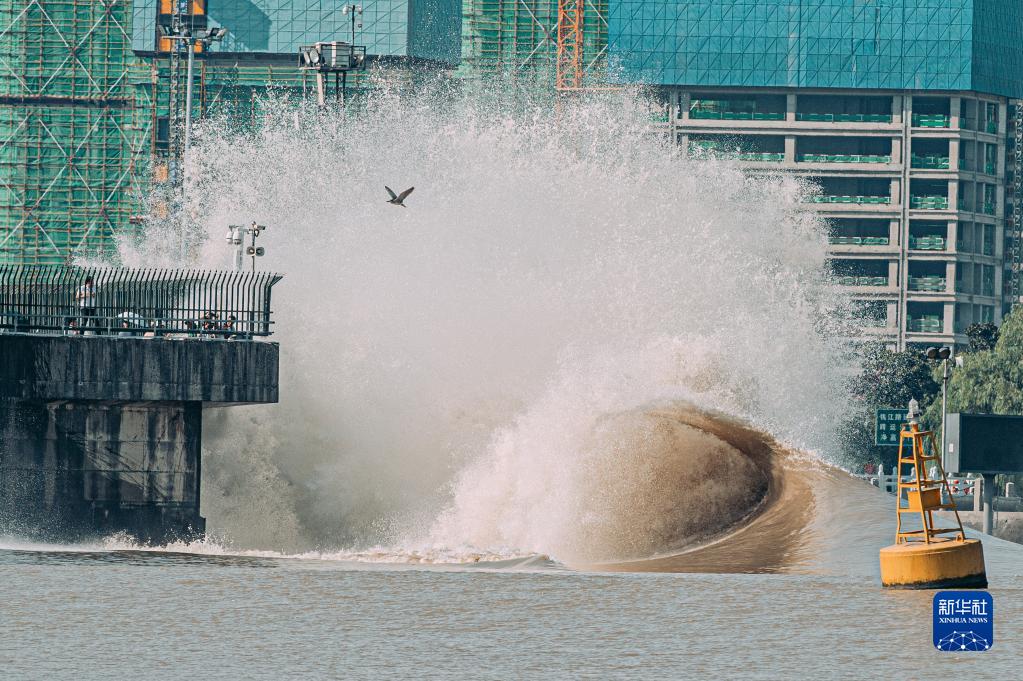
86	297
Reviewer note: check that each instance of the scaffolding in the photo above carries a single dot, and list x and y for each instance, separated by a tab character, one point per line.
69	133
1014	240
560	42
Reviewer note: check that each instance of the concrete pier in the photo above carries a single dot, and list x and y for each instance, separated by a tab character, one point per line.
102	434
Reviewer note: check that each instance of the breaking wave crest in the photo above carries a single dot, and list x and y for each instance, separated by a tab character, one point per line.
501	365
635	485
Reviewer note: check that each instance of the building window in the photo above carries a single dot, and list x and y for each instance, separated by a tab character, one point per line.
925	317
989	240
987	280
860	272
871	313
161	133
855	232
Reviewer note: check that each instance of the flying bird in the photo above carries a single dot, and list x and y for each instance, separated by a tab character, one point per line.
398	199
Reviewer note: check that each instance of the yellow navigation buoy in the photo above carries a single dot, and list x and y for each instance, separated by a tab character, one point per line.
928	557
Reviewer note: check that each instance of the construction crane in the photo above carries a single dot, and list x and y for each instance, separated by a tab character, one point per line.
570	66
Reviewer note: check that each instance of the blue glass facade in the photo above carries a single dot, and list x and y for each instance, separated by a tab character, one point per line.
425	29
875	44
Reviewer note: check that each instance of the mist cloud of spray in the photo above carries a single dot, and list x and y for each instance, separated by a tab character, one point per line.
447	370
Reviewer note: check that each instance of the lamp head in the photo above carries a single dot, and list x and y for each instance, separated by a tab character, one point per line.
932	353
944	353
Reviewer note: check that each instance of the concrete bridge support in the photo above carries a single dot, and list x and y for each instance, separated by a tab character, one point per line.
103	434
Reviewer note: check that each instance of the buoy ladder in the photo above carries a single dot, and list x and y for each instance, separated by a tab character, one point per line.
924	494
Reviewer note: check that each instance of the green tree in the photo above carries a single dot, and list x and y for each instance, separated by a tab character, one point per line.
982	336
888	379
990	381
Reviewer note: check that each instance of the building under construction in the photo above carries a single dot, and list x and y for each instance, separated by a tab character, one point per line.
93	97
70	134
560	42
93	92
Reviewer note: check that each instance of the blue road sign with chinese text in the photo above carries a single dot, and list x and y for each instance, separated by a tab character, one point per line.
887	425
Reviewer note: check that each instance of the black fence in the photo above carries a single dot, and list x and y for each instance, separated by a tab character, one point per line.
132	302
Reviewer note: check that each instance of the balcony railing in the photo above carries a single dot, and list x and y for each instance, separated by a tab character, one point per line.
844	158
753	156
931	120
863	280
858	240
726	115
928	283
928	324
869	200
929	162
843	118
928	202
927	243
134	302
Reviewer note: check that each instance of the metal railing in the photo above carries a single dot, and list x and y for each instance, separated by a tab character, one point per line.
135	302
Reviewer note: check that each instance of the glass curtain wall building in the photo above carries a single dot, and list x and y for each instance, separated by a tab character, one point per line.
898	109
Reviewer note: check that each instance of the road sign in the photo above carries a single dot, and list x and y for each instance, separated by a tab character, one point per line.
887	425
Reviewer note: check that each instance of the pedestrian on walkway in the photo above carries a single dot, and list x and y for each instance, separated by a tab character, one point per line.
86	297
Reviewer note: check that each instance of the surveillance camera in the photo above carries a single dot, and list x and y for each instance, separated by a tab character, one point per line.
260	251
249	250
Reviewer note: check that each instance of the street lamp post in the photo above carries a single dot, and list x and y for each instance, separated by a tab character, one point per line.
178	32
946	373
355	11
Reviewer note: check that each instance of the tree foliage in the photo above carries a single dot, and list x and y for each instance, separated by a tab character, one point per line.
888	379
982	336
990	381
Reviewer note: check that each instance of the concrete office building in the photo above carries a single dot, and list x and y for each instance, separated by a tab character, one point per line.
900	110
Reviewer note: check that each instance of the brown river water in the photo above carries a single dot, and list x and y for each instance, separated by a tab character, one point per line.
789	591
